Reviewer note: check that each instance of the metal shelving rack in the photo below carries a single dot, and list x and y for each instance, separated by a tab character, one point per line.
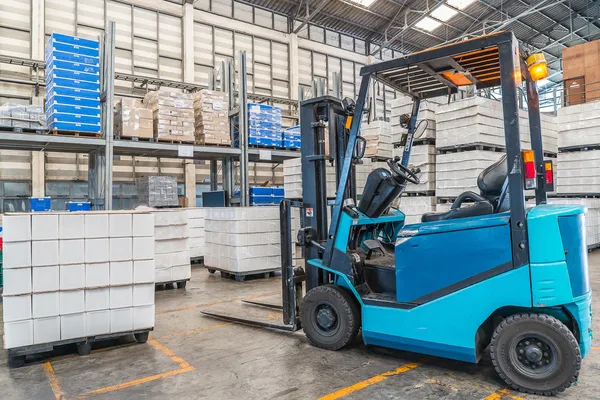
101	150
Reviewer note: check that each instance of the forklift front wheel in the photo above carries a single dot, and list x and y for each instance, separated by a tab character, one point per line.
330	317
536	354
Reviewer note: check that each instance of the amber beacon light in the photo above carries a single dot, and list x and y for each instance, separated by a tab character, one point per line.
537	66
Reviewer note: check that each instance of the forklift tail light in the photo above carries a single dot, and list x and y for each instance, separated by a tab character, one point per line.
529	170
549	176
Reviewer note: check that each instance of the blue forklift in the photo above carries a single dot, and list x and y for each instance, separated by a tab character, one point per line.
491	273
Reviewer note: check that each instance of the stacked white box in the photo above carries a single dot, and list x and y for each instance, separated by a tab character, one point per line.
578	172
292	179
414	207
378	135
457	172
66	293
243	240
422	156
196	229
427	111
579	125
171	246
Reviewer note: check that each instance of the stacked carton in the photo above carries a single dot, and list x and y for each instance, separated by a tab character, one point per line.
132	119
414	207
292	179
157	191
579	125
264	126
75	275
243	240
196	228
211	112
292	138
427	110
173	115
457	172
20	116
378	135
172	246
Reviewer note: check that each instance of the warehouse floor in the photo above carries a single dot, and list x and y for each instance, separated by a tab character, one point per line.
194	357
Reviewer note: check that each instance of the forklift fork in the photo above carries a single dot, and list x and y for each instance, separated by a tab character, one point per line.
291	282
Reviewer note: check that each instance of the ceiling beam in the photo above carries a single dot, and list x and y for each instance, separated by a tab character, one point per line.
311	15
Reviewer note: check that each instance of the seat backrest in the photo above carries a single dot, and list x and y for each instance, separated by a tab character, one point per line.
491	179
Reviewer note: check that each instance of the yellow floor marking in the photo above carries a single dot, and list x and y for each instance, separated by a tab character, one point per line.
216	302
196	330
54	383
501	394
595	348
371	381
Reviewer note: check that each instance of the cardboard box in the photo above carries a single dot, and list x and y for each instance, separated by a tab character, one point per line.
46	330
72	326
143	295
71	251
16	228
121	320
143	271
46	279
44	227
97	299
71	226
44	252
121	272
143	317
120	225
46	304
16	255
17	281
143	248
120	249
121	296
16	308
96	226
72	302
18	334
97	322
162	275
96	250
72	276
143	225
181	272
97	275
171	246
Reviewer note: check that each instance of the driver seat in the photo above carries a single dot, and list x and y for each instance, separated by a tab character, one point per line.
491	183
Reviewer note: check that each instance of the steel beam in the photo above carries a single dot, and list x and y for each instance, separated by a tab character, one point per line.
312	15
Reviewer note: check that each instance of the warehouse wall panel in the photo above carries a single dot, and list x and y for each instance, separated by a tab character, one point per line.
145	23
122	15
90	13
15	14
243	12
170	38
60	16
223	42
145	53
222	7
203	44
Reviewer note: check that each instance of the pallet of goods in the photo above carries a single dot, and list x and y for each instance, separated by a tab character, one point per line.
427	110
211	113
133	120
173	115
157	191
264	126
292	179
423	157
76	278
291	138
414	207
378	135
73	85
197	236
266	196
172	247
20	118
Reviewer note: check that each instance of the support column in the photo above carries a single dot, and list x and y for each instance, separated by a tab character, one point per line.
38	174
188	42
294	72
38	167
190	182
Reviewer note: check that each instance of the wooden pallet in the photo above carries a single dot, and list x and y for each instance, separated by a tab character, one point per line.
18	129
56	132
174	141
244	275
134	138
179	284
199	143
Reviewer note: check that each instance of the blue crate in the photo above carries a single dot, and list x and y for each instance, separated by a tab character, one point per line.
261	191
72	118
278	199
72	101
37	204
278	192
74	66
261	200
264	133
53	107
55	73
78	206
54	90
74	40
255	108
73	83
74	58
75	127
261	124
53	46
292	144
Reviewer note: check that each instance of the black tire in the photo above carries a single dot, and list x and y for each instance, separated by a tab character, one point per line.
141	337
181	285
211	271
330	317
536	354
84	348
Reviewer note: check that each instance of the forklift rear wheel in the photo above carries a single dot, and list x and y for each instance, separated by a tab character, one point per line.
536	354
330	317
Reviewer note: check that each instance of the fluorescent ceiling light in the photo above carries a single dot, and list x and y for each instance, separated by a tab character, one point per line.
460	4
428	24
364	3
443	13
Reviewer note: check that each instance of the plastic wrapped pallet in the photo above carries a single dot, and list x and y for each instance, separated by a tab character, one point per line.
157	191
172	245
264	126
578	172
76	275
427	110
414	207
292	179
20	116
579	125
173	114
378	135
243	240
457	172
196	231
292	138
132	119
211	112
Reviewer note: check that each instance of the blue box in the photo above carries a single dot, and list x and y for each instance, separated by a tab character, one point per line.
261	124
75	127
60	73
74	58
73	83
37	204
73	118
72	92
261	191
278	192
74	66
292	144
78	206
74	40
53	107
72	101
264	133
262	200
278	199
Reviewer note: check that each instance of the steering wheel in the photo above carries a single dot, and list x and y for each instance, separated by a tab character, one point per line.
401	173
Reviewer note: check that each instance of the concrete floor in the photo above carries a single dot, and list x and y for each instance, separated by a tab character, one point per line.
190	356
